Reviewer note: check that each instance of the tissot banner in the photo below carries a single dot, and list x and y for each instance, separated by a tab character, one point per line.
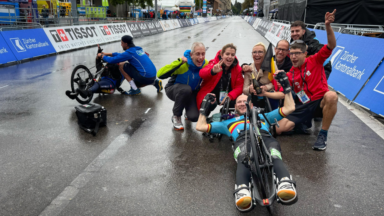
72	37
114	31
26	44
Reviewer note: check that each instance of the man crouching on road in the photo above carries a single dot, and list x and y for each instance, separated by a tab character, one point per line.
234	128
139	71
184	83
310	85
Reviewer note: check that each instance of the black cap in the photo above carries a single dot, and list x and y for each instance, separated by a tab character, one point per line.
128	39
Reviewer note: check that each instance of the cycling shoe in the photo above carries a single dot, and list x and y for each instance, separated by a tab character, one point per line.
71	95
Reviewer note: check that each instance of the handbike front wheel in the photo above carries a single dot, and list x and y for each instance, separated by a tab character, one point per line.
82	78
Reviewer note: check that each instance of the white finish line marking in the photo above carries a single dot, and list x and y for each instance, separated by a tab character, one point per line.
147	110
70	192
3	86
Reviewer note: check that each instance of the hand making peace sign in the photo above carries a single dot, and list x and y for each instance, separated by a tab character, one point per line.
217	68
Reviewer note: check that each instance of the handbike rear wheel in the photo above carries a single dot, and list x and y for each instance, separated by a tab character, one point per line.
82	78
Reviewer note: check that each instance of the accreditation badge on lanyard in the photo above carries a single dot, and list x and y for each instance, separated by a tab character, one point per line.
223	93
303	97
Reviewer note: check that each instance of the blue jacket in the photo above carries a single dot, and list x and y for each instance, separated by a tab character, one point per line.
182	73
137	58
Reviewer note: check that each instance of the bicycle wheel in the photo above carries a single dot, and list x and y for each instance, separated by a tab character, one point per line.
82	78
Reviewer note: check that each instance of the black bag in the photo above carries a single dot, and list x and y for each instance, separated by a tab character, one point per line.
90	117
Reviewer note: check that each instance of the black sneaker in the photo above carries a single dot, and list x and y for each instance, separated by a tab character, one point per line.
321	143
71	95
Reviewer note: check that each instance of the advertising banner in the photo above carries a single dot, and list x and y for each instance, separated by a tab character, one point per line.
196	21
256	23
144	28
166	25
180	23
158	26
175	24
113	31
162	23
169	22
185	24
28	43
135	30
151	27
72	37
188	22
372	95
277	32
6	54
352	65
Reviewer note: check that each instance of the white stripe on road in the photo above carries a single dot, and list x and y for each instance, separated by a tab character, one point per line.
147	110
3	86
70	192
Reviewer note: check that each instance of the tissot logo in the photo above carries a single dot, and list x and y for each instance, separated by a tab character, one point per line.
113	29
107	30
61	35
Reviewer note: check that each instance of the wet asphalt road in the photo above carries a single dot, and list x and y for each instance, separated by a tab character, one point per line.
138	165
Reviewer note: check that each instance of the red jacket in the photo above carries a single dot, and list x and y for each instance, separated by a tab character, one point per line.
210	82
315	85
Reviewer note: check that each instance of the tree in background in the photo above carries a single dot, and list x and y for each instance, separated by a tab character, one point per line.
236	8
247	4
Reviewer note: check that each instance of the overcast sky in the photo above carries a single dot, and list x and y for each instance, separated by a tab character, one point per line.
233	1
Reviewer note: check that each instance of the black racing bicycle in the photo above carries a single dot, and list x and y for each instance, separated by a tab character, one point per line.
259	161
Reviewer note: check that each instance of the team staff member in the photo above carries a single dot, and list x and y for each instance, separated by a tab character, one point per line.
222	76
234	127
300	32
310	84
184	83
140	71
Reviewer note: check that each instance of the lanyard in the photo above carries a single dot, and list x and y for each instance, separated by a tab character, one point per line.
293	75
221	82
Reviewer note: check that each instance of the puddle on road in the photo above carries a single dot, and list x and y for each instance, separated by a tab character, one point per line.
135	124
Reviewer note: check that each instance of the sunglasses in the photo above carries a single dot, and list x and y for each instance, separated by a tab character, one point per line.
297	41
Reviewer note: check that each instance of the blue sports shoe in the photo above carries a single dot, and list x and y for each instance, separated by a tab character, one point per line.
159	85
321	143
133	92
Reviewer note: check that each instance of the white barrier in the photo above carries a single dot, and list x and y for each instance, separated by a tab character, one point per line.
73	37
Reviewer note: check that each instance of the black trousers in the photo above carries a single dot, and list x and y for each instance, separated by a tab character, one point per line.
184	98
243	174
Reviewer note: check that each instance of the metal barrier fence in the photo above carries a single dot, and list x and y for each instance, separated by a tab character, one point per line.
28	18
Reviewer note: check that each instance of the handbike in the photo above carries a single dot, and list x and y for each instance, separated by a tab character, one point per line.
259	161
83	79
